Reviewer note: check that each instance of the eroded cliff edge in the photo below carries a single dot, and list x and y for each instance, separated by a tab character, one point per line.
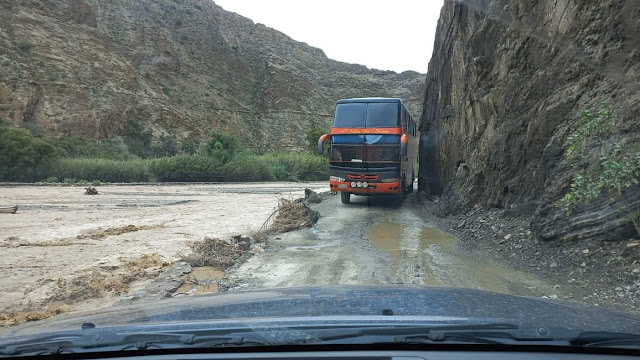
506	84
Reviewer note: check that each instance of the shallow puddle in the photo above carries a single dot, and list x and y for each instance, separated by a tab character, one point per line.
201	280
423	255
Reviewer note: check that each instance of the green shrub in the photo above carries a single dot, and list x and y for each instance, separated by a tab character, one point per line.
188	147
221	146
169	145
96	182
299	166
312	139
24	45
279	172
77	146
69	181
617	167
83	181
21	154
130	170
52	179
246	167
185	167
138	139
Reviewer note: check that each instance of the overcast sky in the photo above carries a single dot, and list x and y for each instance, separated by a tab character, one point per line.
387	35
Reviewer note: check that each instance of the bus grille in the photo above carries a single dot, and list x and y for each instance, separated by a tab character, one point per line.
362	177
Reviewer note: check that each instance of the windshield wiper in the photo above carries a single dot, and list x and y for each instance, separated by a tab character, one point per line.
498	336
525	336
483	333
488	333
111	341
606	339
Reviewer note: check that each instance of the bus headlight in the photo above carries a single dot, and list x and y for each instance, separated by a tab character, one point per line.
336	178
390	180
353	184
365	184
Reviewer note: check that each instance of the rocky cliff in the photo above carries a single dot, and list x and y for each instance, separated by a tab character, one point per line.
181	67
506	84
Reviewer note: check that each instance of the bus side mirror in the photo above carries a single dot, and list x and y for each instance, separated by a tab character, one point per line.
403	145
321	143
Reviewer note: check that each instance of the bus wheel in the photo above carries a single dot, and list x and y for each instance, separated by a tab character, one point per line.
345	197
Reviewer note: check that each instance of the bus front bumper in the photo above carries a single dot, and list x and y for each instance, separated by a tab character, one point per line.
372	188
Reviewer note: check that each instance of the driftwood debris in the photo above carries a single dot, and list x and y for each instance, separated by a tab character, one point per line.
8	209
91	191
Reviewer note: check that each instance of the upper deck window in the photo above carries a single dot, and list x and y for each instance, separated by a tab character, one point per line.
350	115
370	115
382	115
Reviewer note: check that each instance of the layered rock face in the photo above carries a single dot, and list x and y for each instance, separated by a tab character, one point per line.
181	67
506	85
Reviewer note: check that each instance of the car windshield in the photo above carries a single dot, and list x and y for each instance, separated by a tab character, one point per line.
198	173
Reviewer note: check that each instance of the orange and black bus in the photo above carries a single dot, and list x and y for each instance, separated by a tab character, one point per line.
374	148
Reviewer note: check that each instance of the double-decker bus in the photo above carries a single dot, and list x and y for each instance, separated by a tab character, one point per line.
374	148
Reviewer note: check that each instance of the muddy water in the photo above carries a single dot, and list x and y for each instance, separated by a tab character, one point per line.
201	280
427	256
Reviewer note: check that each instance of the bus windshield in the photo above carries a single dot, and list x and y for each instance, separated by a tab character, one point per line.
368	148
359	115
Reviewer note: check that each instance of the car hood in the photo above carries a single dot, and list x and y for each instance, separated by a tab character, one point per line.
351	302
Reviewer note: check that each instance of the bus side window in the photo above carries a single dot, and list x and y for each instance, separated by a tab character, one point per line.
404	120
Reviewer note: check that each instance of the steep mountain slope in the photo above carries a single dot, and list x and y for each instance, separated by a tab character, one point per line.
506	85
182	67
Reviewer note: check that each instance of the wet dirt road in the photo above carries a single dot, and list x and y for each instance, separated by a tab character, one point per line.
371	242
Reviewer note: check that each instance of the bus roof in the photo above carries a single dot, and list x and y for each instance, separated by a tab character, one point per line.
369	100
